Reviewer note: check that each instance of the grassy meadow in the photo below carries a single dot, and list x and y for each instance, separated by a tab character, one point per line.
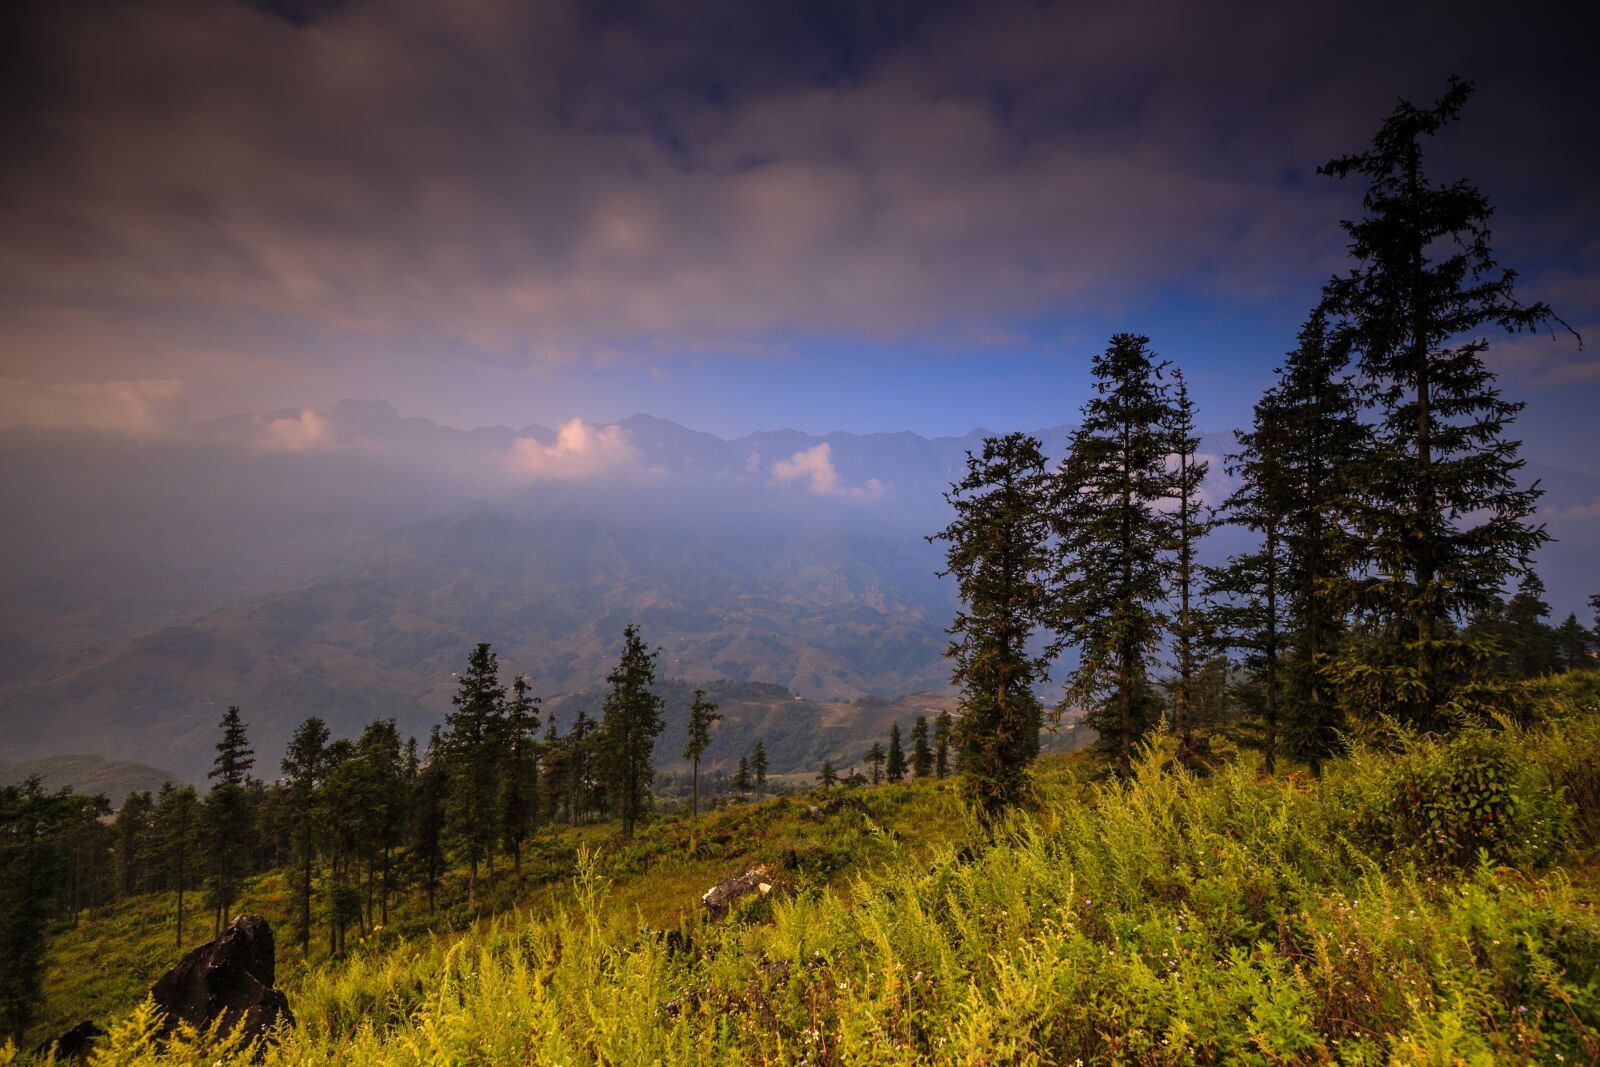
1429	902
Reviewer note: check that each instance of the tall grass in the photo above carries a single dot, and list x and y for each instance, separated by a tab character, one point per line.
1377	916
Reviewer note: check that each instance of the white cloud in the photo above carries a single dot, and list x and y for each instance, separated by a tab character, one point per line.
816	466
1591	510
307	432
142	409
580	451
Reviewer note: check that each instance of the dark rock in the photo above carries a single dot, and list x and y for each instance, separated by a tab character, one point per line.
720	897
228	979
72	1045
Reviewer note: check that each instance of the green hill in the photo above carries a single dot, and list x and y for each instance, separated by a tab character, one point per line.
1432	903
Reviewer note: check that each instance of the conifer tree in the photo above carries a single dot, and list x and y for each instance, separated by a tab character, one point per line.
758	768
177	838
471	762
519	771
33	824
874	759
999	556
381	814
228	818
1321	448
1191	624
1533	643
1572	643
429	816
303	770
132	828
895	759
629	726
580	746
827	778
741	777
1250	615
702	715
1114	545
1443	520
943	727
921	753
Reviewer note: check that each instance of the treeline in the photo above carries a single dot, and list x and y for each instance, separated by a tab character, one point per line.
930	756
353	822
1378	477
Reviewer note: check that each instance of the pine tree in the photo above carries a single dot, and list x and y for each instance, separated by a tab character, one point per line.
758	768
1533	643
303	769
1322	448
132	829
999	555
381	818
580	745
177	834
943	727
741	777
33	825
1250	615
827	778
895	760
702	715
429	815
874	759
519	771
1114	544
228	818
921	754
471	763
1444	522
1572	643
1192	623
629	726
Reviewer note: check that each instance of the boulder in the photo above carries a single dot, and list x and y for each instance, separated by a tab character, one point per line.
72	1045
228	979
720	897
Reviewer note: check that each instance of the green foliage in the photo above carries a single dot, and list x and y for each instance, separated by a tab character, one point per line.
1000	558
628	730
1165	920
1114	545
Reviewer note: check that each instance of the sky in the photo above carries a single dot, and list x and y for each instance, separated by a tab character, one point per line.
844	215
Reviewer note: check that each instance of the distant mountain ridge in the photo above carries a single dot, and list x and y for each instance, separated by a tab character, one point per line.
146	586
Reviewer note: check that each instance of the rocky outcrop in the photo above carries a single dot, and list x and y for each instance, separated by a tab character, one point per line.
229	979
818	812
720	897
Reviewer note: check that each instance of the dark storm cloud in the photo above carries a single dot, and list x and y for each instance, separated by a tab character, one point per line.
512	183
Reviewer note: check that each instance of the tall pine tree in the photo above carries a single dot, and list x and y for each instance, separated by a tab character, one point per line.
228	818
1444	521
702	715
1115	541
629	726
472	762
1000	557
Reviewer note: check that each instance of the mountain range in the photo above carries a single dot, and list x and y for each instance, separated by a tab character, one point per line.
342	564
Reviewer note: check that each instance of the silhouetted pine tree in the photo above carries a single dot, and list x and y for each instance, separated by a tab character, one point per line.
519	771
228	818
178	841
472	763
874	759
1249	589
758	768
629	726
1444	522
1572	643
999	556
827	778
1192	624
702	714
303	769
894	766
921	753
943	727
429	815
1115	543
